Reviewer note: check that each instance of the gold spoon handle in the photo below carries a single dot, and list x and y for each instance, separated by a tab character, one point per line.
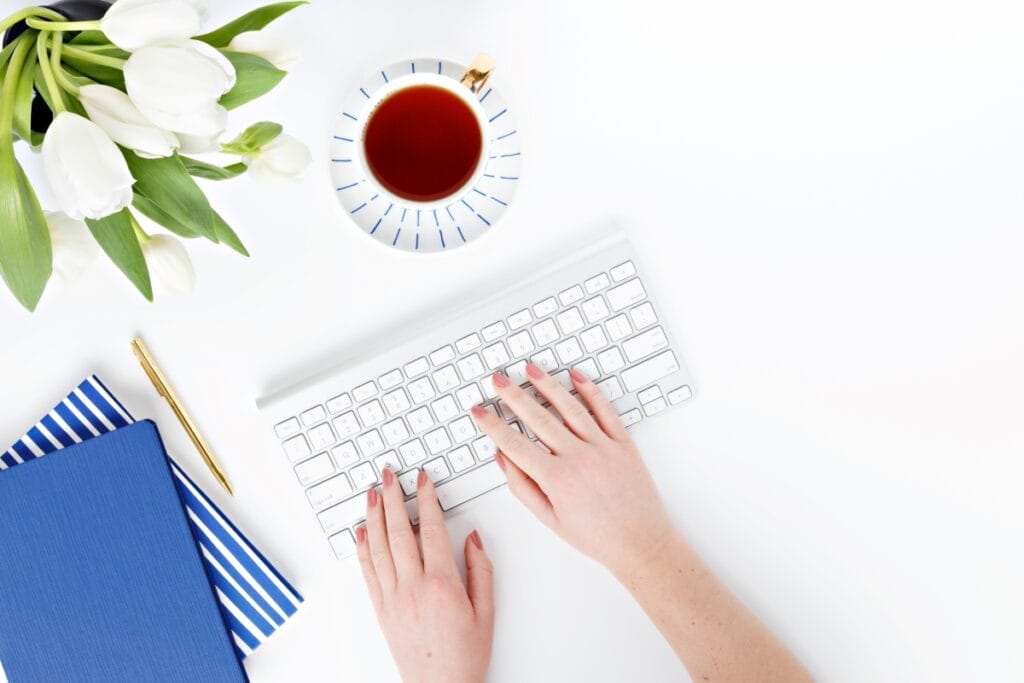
478	72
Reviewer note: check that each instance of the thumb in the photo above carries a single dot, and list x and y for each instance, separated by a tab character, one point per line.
479	578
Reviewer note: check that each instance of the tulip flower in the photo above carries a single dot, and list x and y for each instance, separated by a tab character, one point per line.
198	144
73	246
132	24
170	267
270	46
281	158
114	112
87	173
177	86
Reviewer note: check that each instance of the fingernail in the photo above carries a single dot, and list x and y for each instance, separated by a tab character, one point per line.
371	498
361	535
500	380
421	480
475	537
500	459
389	477
478	411
533	371
577	376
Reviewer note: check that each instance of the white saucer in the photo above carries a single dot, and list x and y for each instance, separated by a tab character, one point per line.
467	216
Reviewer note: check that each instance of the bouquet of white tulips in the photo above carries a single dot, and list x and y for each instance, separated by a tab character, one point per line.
119	106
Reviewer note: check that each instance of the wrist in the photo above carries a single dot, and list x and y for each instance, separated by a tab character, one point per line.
643	553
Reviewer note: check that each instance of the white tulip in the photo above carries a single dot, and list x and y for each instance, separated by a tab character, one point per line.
177	86
131	24
199	144
73	246
281	158
87	173
170	268
279	51
114	112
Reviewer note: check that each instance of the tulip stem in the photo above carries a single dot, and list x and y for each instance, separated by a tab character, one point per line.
44	25
63	80
7	98
86	56
56	95
26	14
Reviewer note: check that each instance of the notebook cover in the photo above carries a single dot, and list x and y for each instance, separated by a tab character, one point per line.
255	599
110	585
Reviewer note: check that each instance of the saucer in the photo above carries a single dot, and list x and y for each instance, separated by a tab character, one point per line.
467	216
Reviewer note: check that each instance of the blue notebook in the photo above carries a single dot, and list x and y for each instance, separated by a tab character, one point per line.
109	583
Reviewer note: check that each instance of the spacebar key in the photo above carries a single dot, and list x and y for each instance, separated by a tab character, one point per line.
470	485
650	370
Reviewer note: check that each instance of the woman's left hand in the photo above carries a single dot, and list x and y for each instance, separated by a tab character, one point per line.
439	631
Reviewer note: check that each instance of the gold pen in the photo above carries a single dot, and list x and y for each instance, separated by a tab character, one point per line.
164	389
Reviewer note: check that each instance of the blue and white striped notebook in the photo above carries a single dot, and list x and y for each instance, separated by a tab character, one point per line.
255	599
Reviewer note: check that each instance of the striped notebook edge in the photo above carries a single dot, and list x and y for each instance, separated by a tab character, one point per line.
255	598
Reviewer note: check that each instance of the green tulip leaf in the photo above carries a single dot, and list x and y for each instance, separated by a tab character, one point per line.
201	169
116	235
150	210
255	77
167	184
227	235
26	252
251	21
92	37
253	138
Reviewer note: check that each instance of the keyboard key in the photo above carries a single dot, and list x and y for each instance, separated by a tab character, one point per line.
484	448
314	415
492	409
611	360
416	368
390	461
623	270
468	343
651	370
469	396
396	402
569	350
625	295
345	454
594	339
437	441
649	394
346	425
588	369
390	379
461	459
655	406
314	469
519	319
297	448
334	490
409	481
364	391
470	485
413	452
445	408
442	355
618	327
462	429
421	390
363	477
545	360
570	321
471	367
643	316
339	403
495	356
631	417
564	379
372	413
595	309
321	436
344	514
520	344
517	372
571	295
446	379
611	388
545	332
543	309
679	395
343	544
488	388
420	420
394	432
437	469
645	344
596	283
494	331
370	443
287	428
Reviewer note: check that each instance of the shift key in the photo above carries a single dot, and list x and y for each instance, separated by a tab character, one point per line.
649	371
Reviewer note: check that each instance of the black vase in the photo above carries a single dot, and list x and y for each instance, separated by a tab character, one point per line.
72	10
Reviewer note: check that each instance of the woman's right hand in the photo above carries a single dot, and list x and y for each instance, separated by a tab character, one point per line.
592	489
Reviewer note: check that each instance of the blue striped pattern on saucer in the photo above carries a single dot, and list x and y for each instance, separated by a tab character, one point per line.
255	599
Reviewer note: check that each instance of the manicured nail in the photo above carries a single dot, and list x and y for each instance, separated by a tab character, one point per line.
577	376
500	459
475	537
361	535
478	411
533	371
421	480
500	380
389	477
371	498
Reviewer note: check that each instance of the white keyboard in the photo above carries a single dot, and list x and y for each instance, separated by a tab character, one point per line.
407	408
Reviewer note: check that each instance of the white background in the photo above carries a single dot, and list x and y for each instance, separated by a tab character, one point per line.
828	200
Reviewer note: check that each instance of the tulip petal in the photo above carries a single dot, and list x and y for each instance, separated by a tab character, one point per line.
169	265
132	24
281	158
114	112
272	47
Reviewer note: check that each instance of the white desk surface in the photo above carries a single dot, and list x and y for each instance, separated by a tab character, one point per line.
828	197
